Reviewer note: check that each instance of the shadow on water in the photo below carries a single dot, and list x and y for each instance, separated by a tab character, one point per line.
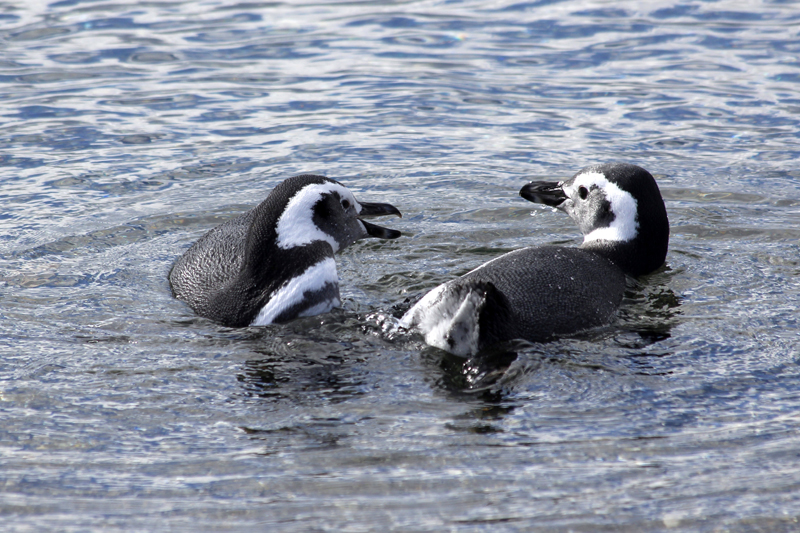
277	378
470	377
649	311
309	359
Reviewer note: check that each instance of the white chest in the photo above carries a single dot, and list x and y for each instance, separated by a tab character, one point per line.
296	291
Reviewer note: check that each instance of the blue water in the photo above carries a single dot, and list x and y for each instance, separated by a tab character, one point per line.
127	130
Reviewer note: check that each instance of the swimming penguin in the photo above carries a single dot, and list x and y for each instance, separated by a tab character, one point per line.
275	262
538	293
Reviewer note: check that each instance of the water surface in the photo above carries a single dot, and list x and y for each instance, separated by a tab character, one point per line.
128	130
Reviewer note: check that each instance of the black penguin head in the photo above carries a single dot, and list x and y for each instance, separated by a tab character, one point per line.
618	207
317	208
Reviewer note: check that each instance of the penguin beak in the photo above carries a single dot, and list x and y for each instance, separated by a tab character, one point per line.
369	210
544	192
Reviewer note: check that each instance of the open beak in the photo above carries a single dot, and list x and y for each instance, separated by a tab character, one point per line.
369	210
544	192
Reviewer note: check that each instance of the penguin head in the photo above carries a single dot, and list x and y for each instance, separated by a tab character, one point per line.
618	208
316	208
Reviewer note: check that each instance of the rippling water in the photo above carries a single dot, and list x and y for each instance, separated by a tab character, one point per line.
129	129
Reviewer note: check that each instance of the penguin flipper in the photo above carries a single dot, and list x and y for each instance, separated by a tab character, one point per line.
460	316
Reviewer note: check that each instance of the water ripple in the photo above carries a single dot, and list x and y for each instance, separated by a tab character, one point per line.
130	129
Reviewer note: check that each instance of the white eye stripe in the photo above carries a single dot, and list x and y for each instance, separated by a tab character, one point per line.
296	224
625	225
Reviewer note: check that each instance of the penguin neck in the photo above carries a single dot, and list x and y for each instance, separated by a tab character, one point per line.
635	257
266	265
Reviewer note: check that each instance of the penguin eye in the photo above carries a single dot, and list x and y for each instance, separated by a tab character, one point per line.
346	204
583	192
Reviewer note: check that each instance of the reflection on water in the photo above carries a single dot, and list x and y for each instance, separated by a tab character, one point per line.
130	129
475	374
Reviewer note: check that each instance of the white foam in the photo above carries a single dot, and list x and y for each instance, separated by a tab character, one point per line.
296	224
292	292
625	225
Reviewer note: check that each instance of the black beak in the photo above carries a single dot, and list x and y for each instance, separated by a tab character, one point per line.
544	192
369	210
378	210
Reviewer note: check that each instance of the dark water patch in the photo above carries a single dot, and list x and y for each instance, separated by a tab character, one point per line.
37	34
287	48
122	55
20	163
68	137
250	6
137	139
428	41
675	12
36	112
159	102
603	13
77	57
58	76
152	57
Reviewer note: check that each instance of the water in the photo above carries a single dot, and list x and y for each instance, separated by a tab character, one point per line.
130	129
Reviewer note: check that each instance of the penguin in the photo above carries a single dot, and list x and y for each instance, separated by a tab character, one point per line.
540	293
276	262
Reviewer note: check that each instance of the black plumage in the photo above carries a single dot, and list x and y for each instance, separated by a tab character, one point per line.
539	293
231	273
